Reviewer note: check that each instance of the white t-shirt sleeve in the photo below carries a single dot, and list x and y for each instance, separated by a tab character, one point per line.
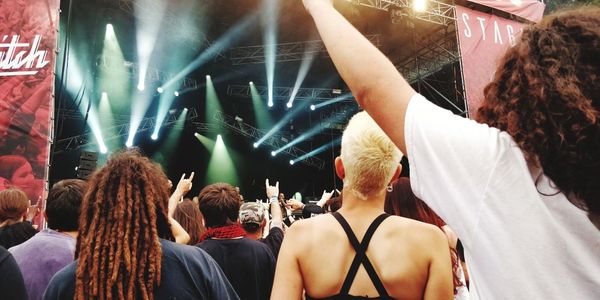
451	160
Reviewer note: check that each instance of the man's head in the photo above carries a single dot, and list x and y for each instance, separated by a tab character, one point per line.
369	160
252	216
310	210
64	201
220	204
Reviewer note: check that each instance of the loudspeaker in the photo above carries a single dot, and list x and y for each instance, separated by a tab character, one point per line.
87	164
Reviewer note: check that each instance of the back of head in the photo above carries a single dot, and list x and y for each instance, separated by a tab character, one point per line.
13	204
63	204
123	215
311	210
401	201
252	215
190	218
220	204
369	157
546	95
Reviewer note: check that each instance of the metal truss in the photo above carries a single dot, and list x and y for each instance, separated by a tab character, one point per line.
152	74
275	141
435	54
82	140
435	12
285	51
286	92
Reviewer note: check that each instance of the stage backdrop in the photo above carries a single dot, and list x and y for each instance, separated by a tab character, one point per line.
28	38
483	40
532	10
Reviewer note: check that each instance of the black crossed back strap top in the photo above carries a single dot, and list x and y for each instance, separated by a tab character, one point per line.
361	258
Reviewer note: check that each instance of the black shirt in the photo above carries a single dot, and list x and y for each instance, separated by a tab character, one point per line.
15	234
274	240
248	264
12	286
187	273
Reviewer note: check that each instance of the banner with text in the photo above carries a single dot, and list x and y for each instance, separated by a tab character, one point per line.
28	43
483	39
532	10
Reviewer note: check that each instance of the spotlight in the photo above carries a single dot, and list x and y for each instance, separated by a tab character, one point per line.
103	149
129	144
196	134
207	76
141	87
185	109
239	119
109	27
313	107
289	104
160	90
104	94
255	145
176	93
251	83
292	162
154	136
273	153
270	104
419	5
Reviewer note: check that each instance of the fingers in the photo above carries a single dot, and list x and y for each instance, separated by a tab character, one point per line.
267	182
191	176
182	177
277	184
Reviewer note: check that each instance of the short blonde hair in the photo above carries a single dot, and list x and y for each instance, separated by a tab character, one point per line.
370	158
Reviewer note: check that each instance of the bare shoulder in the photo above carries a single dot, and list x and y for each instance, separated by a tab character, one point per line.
415	231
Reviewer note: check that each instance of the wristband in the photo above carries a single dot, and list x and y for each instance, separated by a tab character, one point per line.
273	199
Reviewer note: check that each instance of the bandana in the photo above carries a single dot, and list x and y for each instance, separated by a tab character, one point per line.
224	232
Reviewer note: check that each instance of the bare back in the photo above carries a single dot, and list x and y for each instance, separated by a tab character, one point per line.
403	252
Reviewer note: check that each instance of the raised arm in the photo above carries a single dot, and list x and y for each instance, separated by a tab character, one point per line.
372	78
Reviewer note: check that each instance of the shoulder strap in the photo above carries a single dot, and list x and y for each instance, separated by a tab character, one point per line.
361	254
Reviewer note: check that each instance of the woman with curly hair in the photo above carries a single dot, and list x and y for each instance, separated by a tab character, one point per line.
125	247
521	187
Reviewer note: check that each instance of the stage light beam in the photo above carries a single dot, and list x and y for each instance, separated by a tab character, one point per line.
419	5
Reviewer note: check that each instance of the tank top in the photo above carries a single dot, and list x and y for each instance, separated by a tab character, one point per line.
359	258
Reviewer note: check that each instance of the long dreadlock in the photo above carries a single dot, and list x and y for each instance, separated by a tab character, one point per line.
124	213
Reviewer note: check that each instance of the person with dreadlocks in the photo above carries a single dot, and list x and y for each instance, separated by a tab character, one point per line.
125	247
248	264
520	184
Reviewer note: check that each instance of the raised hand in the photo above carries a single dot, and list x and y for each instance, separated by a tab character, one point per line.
185	185
272	191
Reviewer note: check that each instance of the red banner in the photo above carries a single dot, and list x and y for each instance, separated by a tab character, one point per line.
28	38
532	10
483	40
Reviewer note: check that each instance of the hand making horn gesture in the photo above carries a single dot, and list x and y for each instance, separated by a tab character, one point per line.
272	191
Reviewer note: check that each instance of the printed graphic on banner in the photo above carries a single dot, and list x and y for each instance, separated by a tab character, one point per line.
532	10
27	58
483	40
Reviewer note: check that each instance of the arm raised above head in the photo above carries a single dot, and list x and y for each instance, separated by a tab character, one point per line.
376	84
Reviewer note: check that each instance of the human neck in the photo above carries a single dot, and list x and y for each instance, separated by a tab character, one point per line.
353	205
254	235
72	234
10	222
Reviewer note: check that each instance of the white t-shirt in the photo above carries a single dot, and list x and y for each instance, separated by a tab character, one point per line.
519	244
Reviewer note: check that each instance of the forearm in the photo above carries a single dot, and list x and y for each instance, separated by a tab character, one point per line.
371	77
181	236
276	214
173	200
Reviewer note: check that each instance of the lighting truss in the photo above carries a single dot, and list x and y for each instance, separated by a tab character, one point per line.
285	51
275	141
435	54
152	74
286	92
436	12
82	140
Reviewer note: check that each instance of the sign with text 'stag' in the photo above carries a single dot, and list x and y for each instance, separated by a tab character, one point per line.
483	39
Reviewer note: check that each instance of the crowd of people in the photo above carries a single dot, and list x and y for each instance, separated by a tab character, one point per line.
506	206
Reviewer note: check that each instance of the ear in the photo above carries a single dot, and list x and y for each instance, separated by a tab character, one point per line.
397	173
263	223
339	168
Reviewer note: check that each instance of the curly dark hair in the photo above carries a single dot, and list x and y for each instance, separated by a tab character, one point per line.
546	95
123	215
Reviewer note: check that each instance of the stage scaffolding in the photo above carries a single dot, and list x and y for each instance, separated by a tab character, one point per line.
319	94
